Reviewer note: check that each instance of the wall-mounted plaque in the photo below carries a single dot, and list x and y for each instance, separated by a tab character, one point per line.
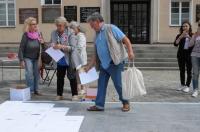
70	13
27	12
87	11
50	13
198	13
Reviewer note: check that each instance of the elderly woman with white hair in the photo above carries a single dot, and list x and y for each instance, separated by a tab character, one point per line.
63	39
81	50
29	52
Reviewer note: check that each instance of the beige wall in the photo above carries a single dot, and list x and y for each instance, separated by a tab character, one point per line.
167	33
161	31
13	34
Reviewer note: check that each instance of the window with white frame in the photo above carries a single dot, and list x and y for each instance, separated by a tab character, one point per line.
180	12
7	13
51	2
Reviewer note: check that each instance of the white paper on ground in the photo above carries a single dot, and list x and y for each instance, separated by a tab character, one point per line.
55	53
18	116
69	123
88	77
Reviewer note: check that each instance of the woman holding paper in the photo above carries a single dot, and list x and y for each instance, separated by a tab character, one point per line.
81	50
29	52
63	39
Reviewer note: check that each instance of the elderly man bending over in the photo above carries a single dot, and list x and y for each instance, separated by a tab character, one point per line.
110	56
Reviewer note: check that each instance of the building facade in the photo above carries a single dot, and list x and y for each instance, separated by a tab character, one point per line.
143	21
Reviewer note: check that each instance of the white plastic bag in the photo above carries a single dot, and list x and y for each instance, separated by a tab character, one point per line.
132	83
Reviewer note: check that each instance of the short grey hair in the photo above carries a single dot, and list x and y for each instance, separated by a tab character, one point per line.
61	20
94	17
74	24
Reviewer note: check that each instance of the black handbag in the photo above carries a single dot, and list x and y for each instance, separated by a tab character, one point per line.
46	59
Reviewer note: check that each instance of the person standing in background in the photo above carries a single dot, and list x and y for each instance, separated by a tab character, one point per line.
29	53
81	49
195	41
184	55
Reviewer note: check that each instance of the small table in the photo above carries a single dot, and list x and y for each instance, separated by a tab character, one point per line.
6	59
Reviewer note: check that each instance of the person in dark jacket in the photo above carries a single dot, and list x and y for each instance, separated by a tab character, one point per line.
184	55
29	52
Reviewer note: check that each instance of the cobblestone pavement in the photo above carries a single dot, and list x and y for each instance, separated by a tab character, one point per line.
161	87
163	109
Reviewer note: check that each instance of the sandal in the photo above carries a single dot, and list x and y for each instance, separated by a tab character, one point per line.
94	108
126	107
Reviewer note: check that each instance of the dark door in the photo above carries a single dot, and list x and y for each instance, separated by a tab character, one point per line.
133	18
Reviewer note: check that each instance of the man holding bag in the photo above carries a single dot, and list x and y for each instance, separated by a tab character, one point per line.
110	56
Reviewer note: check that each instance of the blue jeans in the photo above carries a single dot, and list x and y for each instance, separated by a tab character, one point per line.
114	71
196	68
32	73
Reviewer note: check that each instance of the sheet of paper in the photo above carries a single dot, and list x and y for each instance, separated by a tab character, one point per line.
55	54
69	123
18	116
88	77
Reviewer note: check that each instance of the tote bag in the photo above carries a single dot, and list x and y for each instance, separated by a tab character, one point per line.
132	83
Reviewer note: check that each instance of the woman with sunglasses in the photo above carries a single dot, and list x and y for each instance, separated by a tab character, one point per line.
29	52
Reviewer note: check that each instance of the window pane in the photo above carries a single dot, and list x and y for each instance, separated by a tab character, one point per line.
2	23
2	14
175	19
11	23
175	4
48	1
11	13
2	10
186	4
175	10
10	0
57	1
175	22
185	10
2	17
175	13
115	7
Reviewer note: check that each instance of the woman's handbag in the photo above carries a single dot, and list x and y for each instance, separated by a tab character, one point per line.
45	58
132	83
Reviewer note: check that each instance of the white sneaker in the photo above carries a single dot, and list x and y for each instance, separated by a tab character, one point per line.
195	93
186	89
82	92
180	88
75	98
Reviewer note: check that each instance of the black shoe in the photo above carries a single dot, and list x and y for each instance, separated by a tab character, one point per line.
37	93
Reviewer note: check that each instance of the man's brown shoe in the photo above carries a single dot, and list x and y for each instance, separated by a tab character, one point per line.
126	107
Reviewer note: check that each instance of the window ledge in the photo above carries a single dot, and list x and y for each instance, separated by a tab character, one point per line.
51	5
7	26
174	25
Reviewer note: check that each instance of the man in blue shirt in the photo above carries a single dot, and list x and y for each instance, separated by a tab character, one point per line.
107	67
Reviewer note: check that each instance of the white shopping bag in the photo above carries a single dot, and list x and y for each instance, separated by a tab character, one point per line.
132	83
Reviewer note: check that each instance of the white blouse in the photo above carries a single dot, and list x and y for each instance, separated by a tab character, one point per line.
81	47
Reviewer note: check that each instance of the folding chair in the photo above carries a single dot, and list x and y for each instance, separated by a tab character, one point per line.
47	69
